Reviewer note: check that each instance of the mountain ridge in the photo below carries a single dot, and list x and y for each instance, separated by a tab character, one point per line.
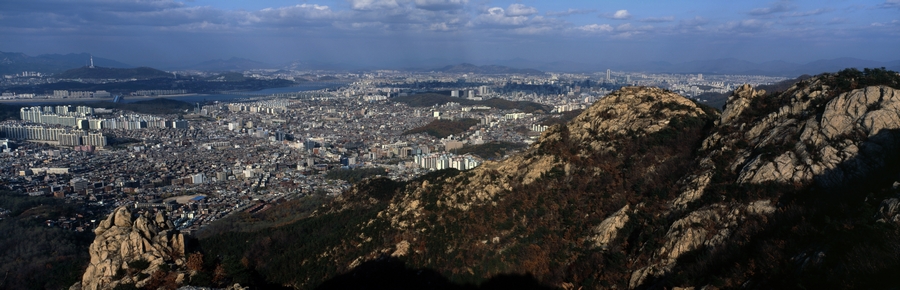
15	62
712	66
486	69
113	73
231	64
644	189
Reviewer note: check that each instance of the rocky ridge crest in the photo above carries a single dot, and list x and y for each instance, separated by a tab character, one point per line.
808	135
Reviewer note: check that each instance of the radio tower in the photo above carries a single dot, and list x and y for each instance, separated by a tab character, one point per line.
92	61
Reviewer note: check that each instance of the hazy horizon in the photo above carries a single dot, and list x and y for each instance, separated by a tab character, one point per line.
410	33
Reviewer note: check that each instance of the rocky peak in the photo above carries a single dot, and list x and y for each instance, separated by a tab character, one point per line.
739	101
130	247
629	111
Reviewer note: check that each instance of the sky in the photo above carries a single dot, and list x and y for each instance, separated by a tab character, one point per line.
395	33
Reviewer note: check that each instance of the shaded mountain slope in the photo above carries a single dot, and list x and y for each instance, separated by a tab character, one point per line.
644	189
113	73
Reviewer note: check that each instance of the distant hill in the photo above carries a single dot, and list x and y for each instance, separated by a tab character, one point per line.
15	62
486	69
113	73
232	64
321	65
124	87
491	150
431	99
228	77
9	112
444	128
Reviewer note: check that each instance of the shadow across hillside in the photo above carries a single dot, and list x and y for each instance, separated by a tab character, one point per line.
391	273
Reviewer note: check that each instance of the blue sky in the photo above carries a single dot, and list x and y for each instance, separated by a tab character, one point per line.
406	32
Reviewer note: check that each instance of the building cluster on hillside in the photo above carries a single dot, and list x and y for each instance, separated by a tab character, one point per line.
439	161
82	117
158	92
60	94
64	136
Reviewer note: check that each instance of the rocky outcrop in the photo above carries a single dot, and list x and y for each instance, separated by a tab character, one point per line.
609	228
889	210
709	226
630	110
128	245
812	136
740	100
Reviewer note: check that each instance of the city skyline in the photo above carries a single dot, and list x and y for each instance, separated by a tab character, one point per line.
405	33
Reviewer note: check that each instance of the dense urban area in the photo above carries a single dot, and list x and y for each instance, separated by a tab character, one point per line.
204	160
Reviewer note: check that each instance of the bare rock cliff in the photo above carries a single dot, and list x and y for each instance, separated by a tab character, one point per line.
812	135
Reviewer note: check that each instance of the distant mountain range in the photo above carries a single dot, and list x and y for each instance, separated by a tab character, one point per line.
232	64
486	69
15	62
716	66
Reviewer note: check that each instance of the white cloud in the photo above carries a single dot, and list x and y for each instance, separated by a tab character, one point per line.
533	30
811	13
890	4
777	7
496	16
373	4
436	5
883	24
628	30
596	28
658	19
621	14
745	26
302	13
517	9
618	15
570	11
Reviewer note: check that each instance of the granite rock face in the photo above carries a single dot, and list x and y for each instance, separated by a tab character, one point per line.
812	136
124	242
